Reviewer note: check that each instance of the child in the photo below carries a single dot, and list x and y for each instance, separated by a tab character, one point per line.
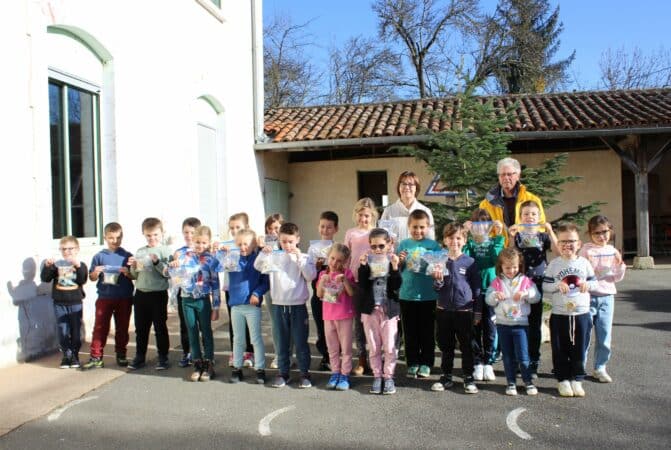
417	297
289	289
272	227
115	297
200	305
328	227
484	249
246	289
609	268
511	293
150	304
68	276
534	247
458	309
189	226
237	222
377	302
569	278
364	216
336	287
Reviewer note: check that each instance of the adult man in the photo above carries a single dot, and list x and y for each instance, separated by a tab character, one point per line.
503	201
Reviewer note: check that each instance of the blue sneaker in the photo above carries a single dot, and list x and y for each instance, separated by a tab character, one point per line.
333	381
186	360
377	386
412	371
343	384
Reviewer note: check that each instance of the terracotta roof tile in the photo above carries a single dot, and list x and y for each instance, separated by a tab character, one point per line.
535	112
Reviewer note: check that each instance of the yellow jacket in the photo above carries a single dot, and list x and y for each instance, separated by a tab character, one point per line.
493	204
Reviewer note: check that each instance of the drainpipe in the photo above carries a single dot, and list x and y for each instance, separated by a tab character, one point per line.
257	70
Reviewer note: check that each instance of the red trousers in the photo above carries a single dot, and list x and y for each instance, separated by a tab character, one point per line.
121	309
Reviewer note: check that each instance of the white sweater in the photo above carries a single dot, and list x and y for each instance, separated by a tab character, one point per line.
573	272
289	285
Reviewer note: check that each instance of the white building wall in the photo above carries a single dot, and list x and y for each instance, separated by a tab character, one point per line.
158	60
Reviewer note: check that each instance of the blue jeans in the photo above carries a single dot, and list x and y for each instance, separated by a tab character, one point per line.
601	310
69	323
515	349
248	316
292	324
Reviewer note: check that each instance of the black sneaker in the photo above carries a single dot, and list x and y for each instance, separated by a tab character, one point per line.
469	386
163	364
236	376
186	360
136	364
74	363
121	360
324	365
261	376
65	363
443	384
94	363
208	370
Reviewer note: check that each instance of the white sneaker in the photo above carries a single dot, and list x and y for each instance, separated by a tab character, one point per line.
578	391
531	389
511	390
488	374
478	372
565	389
273	364
602	375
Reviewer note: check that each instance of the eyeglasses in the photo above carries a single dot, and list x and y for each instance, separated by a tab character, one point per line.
408	184
65	249
507	174
568	242
600	233
377	246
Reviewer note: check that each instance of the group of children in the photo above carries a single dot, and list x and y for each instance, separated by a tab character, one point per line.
484	291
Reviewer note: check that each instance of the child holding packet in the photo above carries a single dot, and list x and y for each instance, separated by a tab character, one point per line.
377	302
510	293
335	287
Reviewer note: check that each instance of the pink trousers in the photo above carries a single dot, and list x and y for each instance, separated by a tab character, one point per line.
381	334
338	334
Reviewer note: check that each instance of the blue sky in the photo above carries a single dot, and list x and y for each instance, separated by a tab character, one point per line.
590	27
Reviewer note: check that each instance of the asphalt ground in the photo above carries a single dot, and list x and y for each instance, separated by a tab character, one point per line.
150	409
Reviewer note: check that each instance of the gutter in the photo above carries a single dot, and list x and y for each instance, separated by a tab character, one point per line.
257	70
298	146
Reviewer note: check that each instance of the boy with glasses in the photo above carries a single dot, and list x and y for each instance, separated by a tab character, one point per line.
568	279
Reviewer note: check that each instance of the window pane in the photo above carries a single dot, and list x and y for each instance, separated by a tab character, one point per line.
81	120
217	2
57	160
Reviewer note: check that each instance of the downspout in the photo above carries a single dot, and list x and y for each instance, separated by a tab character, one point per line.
257	70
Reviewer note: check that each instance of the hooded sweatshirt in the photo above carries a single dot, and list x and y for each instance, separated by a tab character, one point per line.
508	311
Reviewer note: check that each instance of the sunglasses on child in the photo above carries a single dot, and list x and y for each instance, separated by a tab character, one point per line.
377	246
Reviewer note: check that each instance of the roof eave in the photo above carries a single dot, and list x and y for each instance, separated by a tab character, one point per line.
297	146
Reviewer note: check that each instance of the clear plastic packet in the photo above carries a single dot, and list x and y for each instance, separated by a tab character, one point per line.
435	260
529	235
511	309
480	231
229	259
183	276
391	226
271	262
67	275
111	274
603	265
332	290
379	265
319	249
271	241
143	261
413	261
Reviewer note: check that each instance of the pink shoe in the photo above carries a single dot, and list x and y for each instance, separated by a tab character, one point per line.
248	359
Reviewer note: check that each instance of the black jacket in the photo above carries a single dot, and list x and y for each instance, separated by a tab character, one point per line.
364	302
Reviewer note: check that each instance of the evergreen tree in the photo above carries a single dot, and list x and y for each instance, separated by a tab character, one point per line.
465	157
530	41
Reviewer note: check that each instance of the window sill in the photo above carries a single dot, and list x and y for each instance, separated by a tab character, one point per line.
212	9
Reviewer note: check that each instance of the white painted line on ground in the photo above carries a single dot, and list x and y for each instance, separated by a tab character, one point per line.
511	421
57	413
264	424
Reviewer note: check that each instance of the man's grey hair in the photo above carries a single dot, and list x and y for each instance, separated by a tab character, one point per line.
508	162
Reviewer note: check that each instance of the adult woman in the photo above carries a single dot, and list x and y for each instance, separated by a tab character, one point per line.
407	188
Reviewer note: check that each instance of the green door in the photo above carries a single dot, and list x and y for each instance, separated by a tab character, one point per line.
276	197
